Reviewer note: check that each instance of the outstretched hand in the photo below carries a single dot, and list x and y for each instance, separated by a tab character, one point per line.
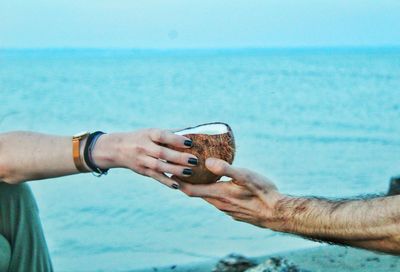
145	152
247	197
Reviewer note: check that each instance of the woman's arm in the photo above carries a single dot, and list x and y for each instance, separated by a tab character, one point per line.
26	156
371	223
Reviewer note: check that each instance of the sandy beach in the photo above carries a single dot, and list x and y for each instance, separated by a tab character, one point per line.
323	258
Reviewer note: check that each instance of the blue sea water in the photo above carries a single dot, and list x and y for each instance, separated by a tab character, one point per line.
320	122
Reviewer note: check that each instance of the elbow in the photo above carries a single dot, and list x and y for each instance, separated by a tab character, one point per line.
8	175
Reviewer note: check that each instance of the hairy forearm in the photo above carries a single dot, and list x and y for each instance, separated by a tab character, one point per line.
29	156
372	223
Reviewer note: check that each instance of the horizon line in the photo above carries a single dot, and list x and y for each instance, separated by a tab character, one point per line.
388	46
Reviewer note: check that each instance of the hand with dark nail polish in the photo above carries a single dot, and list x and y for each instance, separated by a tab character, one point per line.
193	161
188	143
187	172
150	152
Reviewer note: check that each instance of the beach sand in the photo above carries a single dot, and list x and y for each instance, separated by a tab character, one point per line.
323	258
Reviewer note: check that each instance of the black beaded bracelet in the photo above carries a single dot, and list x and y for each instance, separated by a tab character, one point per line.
87	153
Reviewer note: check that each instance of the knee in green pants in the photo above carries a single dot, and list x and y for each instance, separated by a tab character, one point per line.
5	253
21	227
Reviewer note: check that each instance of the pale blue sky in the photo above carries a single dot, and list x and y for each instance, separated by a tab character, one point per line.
192	23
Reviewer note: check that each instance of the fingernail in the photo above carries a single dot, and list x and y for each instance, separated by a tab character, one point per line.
175	185
187	171
188	143
193	161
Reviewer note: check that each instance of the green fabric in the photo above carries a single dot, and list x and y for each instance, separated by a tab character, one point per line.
5	253
20	226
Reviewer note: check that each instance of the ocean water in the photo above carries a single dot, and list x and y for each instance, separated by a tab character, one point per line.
320	122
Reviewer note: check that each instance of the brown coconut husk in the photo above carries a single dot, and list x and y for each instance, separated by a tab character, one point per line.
221	146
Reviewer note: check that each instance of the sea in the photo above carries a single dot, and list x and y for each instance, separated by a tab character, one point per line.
316	121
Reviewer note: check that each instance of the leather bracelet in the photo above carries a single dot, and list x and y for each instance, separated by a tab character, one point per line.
76	151
87	154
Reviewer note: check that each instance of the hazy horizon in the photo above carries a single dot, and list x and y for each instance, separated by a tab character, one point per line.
309	47
178	24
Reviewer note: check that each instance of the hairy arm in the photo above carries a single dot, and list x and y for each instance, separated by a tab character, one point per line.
26	156
372	224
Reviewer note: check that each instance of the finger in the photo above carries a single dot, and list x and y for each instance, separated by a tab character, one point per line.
223	168
164	167
174	156
162	178
169	138
240	191
247	182
242	177
214	190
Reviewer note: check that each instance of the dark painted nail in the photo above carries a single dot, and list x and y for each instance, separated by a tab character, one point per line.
193	161
188	143
175	186
187	171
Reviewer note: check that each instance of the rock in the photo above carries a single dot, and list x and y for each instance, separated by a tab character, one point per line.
233	263
394	187
276	264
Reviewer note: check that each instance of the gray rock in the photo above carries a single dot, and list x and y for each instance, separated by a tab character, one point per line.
276	264
233	263
394	187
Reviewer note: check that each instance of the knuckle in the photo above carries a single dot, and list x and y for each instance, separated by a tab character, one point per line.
156	165
174	170
160	135
150	132
160	153
139	149
155	134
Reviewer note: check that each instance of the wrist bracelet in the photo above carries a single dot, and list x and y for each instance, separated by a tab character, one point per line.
87	154
76	151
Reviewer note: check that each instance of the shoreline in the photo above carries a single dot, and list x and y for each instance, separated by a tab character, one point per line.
327	258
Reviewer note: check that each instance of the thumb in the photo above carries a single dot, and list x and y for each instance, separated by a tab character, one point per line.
222	168
218	166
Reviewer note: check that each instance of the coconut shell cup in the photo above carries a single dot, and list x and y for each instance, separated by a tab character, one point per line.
209	140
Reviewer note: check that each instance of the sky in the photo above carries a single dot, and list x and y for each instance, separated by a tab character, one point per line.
198	24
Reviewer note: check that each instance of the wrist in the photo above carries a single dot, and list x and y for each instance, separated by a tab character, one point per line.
105	152
278	219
